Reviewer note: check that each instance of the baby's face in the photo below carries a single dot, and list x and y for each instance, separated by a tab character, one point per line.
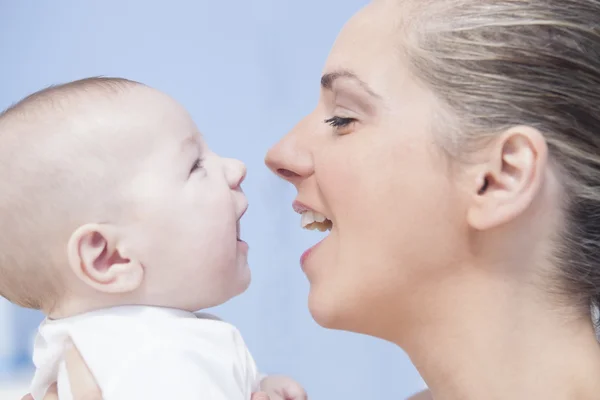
183	217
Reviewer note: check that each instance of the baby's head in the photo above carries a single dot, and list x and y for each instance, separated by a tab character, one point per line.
110	196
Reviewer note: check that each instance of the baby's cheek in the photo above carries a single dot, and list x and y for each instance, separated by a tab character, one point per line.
227	268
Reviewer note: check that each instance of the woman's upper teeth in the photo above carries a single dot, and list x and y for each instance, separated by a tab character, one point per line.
315	220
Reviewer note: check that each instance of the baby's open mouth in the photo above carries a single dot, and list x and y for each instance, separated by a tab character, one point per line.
313	220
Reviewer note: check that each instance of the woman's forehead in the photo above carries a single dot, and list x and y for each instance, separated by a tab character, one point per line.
368	47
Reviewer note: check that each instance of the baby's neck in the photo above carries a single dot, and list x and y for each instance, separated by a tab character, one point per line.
77	304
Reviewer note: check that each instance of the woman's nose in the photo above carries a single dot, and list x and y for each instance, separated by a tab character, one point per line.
290	158
235	172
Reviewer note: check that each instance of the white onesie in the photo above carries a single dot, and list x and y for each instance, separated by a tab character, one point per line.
139	352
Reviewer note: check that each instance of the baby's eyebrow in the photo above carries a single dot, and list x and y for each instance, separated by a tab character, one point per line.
190	141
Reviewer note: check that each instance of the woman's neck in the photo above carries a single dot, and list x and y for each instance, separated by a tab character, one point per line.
495	342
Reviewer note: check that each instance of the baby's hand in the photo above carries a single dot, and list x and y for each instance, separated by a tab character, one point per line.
280	387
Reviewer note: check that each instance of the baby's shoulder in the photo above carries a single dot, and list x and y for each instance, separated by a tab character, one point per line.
199	334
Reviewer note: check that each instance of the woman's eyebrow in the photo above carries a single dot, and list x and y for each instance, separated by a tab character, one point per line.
328	79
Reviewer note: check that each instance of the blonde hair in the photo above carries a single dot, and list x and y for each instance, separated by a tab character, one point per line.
500	63
39	186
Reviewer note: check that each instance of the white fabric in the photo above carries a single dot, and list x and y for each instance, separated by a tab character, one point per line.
137	352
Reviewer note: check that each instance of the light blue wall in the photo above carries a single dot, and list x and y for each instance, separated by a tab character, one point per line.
247	70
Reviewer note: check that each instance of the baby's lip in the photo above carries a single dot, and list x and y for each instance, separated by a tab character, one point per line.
238	225
242	213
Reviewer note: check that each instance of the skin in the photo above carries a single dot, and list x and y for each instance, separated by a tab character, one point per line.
461	285
174	192
185	198
453	254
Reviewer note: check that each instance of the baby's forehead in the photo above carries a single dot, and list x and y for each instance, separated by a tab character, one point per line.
153	131
101	102
160	123
135	119
93	121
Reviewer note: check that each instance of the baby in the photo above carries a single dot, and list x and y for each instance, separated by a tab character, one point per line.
118	223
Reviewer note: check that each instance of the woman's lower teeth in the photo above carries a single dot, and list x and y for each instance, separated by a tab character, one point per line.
321	226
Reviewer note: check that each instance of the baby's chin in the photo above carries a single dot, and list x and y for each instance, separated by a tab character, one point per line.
239	280
237	286
227	291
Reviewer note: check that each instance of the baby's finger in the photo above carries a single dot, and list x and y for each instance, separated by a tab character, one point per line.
295	392
83	384
260	396
27	397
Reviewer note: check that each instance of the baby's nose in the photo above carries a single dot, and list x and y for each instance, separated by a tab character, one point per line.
235	172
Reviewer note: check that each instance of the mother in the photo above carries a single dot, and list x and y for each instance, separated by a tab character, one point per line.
456	151
459	165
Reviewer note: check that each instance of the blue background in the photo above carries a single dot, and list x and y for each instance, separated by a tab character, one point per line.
247	71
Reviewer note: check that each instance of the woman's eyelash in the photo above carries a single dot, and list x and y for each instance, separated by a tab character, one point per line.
339	121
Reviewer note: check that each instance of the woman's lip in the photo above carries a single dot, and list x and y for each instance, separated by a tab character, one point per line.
300	207
307	253
243	245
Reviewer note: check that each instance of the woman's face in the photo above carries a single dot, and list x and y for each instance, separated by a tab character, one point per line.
378	176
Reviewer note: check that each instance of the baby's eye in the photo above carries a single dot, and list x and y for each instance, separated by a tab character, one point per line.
196	166
342	125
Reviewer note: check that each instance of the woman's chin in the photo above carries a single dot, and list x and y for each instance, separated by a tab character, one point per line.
322	315
343	309
327	310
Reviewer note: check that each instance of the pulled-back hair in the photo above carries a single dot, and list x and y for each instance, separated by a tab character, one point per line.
495	64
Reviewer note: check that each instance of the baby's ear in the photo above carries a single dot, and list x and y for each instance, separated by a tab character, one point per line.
96	259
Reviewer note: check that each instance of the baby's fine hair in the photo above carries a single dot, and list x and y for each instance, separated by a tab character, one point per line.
42	184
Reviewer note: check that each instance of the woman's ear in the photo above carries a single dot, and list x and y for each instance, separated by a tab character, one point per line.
510	178
96	259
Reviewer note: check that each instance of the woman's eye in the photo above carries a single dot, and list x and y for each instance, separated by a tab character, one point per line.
196	166
342	125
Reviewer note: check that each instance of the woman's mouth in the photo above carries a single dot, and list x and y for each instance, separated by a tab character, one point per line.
313	220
